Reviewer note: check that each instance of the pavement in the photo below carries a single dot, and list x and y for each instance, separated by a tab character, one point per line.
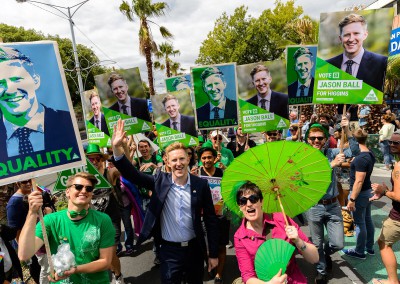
139	267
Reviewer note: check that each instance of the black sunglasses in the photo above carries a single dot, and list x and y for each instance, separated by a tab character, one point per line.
320	138
79	187
26	181
219	138
272	133
391	142
243	200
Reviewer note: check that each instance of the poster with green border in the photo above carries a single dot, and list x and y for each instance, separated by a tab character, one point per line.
215	96
124	86
174	117
300	66
61	183
352	56
252	117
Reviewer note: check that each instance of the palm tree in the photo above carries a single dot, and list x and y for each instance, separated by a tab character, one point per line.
176	69
165	51
143	10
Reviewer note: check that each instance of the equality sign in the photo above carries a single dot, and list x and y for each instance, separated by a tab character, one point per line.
123	97
61	183
262	98
215	186
215	94
352	56
174	117
96	125
38	129
300	66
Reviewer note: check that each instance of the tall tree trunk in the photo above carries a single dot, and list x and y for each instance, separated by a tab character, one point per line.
167	67
149	64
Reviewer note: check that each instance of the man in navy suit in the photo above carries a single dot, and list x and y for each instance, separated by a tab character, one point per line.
219	105
173	217
266	98
27	127
98	118
355	60
303	86
176	120
127	105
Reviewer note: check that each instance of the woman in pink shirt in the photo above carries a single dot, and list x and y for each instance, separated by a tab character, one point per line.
258	227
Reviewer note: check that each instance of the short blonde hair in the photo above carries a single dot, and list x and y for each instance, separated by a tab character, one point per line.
175	146
87	176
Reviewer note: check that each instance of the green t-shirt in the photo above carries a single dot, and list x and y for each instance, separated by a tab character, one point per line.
86	237
156	160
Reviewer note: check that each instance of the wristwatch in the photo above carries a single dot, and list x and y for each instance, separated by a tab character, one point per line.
385	191
352	200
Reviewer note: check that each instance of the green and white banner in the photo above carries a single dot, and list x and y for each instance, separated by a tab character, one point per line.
132	125
168	135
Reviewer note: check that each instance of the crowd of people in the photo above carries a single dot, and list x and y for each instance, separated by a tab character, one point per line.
170	200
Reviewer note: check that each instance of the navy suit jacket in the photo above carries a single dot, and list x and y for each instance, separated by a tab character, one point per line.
160	184
292	89
138	108
372	68
188	125
203	112
278	104
57	128
103	124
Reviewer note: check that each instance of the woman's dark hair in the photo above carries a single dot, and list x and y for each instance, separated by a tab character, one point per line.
248	187
192	161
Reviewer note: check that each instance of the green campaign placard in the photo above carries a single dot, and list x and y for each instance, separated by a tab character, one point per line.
96	136
168	135
335	86
256	119
178	85
132	125
61	183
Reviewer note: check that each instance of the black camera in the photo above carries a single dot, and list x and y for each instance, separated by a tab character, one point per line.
48	201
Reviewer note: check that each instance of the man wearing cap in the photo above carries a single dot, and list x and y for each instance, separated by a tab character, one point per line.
88	232
327	212
272	135
225	156
107	200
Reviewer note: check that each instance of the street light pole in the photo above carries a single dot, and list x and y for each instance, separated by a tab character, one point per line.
68	16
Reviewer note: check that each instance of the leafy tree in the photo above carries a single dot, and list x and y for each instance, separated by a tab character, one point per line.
165	50
244	39
87	57
143	10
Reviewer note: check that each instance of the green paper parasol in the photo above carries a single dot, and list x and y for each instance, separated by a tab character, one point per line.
292	176
271	256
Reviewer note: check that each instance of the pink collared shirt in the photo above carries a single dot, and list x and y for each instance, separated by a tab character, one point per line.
248	241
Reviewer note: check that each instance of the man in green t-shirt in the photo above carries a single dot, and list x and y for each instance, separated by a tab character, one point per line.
89	233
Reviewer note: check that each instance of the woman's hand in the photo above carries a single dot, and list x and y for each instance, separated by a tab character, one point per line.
278	278
292	234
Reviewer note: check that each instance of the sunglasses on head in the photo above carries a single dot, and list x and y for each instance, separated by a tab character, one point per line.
79	187
272	133
26	181
243	200
391	142
219	138
320	138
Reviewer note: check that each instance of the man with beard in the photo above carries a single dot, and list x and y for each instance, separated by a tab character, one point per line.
178	121
327	212
266	98
240	143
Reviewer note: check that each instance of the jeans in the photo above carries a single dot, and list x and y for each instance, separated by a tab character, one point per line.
126	220
330	217
385	149
363	220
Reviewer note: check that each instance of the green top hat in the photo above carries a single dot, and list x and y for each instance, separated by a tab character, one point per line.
93	149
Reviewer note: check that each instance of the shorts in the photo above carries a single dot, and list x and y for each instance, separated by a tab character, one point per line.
223	230
390	232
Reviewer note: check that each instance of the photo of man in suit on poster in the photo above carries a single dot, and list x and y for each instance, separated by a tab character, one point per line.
266	98
302	62
98	118
355	59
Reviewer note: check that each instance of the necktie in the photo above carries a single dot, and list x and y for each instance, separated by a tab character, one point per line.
124	110
24	144
216	112
302	87
348	68
97	123
174	123
75	214
263	101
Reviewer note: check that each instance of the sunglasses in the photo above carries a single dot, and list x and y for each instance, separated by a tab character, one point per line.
79	187
219	138
391	142
94	159
243	200
26	181
272	133
320	138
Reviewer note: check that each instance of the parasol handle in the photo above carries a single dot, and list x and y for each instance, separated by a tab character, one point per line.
343	133
45	238
283	210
